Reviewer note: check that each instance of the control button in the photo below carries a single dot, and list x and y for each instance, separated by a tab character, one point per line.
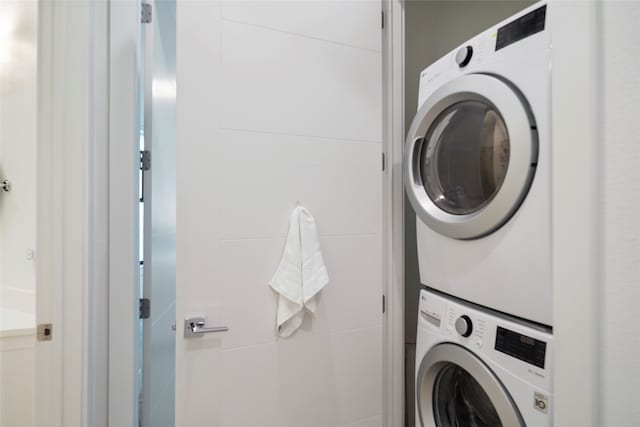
464	326
463	56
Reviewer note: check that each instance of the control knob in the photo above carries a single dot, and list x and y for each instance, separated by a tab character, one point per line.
463	56
464	326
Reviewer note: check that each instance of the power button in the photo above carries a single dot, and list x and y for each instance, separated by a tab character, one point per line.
541	402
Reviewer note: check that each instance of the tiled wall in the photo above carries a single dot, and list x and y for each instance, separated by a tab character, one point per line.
279	102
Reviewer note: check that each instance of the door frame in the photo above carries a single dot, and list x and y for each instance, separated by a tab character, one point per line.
86	219
125	81
393	388
71	267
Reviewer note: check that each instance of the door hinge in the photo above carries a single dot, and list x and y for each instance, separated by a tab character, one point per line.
146	13
382	19
45	332
384	304
145	160
145	308
384	162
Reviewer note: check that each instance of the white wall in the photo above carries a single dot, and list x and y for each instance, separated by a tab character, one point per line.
620	204
18	34
279	102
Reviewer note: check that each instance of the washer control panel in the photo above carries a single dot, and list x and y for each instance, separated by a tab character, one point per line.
523	347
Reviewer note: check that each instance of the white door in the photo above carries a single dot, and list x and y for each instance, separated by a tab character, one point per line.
159	199
278	103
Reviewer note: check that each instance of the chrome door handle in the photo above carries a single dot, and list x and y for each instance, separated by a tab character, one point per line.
194	327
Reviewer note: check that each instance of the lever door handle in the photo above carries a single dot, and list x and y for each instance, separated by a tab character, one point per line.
195	327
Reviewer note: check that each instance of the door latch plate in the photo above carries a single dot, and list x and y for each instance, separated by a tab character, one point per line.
45	332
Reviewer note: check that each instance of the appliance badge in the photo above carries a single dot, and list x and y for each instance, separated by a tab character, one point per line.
541	402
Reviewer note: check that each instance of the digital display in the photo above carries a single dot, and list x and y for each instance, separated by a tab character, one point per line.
521	347
529	24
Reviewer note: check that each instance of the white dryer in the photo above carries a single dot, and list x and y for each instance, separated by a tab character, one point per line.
478	368
477	169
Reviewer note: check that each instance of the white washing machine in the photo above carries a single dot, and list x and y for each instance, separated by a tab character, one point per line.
477	169
479	368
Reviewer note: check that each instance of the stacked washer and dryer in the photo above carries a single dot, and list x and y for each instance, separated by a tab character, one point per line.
478	175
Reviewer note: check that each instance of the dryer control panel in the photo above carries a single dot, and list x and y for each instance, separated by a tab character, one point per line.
480	54
522	27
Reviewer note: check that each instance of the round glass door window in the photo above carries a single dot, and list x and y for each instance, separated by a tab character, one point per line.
465	157
460	401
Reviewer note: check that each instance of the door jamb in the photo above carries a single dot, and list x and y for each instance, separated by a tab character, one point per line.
70	270
393	216
124	268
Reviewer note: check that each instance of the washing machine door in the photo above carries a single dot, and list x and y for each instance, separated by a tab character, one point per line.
455	388
470	156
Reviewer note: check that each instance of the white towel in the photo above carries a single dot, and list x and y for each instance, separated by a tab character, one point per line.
301	273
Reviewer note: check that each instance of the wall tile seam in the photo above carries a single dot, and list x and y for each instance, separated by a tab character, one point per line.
295	135
284	236
275	341
304	36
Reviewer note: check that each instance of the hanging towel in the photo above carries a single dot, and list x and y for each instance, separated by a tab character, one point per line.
301	274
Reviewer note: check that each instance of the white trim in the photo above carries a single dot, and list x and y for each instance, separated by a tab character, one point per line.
70	113
147	56
576	211
98	244
82	227
124	270
48	226
393	201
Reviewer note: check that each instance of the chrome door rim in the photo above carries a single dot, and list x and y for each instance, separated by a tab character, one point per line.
522	160
446	354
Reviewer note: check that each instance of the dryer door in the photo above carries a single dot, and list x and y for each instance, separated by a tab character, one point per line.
470	156
455	388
